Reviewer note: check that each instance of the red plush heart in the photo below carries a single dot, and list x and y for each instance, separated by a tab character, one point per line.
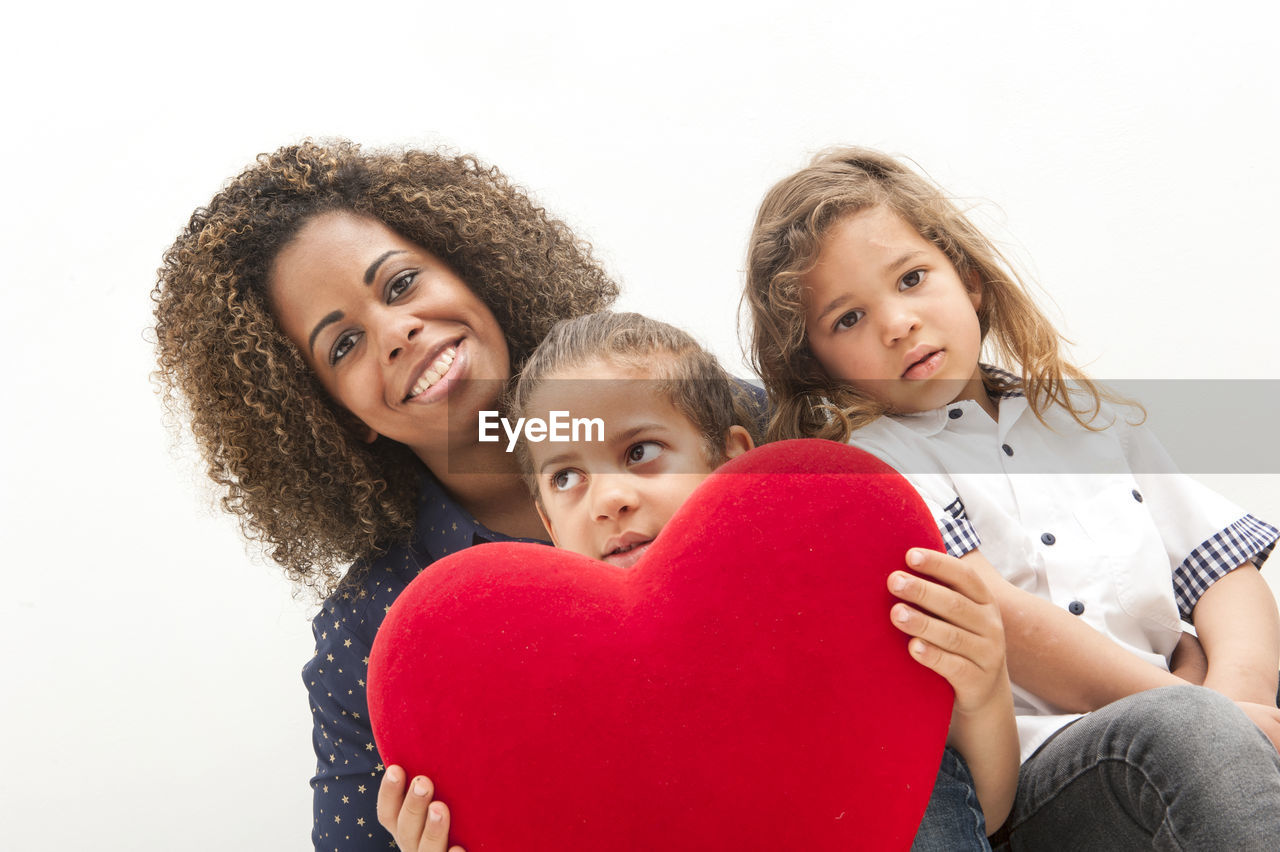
740	688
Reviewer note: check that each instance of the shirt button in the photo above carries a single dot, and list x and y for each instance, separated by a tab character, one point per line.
955	413
1075	608
1137	495
1048	538
1008	450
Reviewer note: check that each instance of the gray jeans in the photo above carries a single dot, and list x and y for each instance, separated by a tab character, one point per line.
1173	768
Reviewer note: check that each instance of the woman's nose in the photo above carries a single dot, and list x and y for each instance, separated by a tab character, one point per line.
395	330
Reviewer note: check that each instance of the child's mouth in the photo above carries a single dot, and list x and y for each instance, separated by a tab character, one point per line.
628	554
926	366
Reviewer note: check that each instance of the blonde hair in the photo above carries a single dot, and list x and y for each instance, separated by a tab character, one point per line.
689	376
785	242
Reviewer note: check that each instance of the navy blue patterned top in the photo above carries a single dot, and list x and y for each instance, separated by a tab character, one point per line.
348	768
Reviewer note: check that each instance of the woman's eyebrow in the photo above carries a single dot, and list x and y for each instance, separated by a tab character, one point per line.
315	332
373	267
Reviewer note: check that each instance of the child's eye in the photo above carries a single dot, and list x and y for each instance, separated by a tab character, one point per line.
645	451
344	343
850	319
911	279
565	479
402	282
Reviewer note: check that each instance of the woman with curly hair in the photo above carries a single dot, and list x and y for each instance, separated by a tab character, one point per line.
330	324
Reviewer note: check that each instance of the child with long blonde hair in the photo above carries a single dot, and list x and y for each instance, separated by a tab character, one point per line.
874	306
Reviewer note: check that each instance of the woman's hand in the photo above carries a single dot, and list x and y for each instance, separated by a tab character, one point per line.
955	626
417	823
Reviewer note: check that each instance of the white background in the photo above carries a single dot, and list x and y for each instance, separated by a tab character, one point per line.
1122	152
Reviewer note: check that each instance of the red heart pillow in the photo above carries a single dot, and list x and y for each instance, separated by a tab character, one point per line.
740	688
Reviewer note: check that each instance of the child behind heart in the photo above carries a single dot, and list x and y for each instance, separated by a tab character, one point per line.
668	416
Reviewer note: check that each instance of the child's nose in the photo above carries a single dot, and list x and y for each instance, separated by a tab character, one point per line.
899	323
614	496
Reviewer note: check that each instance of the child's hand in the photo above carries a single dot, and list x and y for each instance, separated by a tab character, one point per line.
955	625
417	823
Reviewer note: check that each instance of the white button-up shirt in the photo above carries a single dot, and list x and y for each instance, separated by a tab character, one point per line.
1098	522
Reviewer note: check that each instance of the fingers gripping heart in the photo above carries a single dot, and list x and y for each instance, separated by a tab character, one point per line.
740	687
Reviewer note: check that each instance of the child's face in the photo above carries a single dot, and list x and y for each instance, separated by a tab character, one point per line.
886	312
609	499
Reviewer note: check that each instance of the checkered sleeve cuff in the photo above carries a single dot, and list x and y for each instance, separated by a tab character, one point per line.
957	533
1246	540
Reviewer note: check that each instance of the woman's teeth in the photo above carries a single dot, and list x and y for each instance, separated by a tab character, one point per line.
435	372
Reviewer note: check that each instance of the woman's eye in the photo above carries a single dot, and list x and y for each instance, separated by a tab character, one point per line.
396	286
565	479
849	320
911	279
344	344
645	451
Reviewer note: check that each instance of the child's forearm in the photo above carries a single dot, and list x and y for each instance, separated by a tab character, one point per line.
1239	628
1060	658
988	740
1188	660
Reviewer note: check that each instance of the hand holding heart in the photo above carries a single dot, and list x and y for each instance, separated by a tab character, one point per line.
740	688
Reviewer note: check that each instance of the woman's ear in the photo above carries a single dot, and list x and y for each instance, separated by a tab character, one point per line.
737	441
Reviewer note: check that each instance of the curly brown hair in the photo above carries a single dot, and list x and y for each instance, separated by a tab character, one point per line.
785	242
289	460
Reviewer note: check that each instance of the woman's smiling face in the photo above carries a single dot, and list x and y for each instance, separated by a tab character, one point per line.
392	332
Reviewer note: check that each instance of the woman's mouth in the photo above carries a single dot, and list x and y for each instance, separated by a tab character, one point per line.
437	370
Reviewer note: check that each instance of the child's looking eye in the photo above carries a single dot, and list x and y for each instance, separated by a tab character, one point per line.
565	479
645	451
849	320
911	279
396	286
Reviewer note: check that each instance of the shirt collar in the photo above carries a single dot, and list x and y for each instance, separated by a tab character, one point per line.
444	526
1009	380
930	423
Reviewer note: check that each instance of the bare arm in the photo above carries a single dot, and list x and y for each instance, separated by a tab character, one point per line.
1188	660
1240	630
1060	658
956	631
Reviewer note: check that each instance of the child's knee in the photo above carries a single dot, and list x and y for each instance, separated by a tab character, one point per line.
1190	729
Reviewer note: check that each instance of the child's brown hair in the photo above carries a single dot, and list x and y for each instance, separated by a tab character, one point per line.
688	375
792	222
